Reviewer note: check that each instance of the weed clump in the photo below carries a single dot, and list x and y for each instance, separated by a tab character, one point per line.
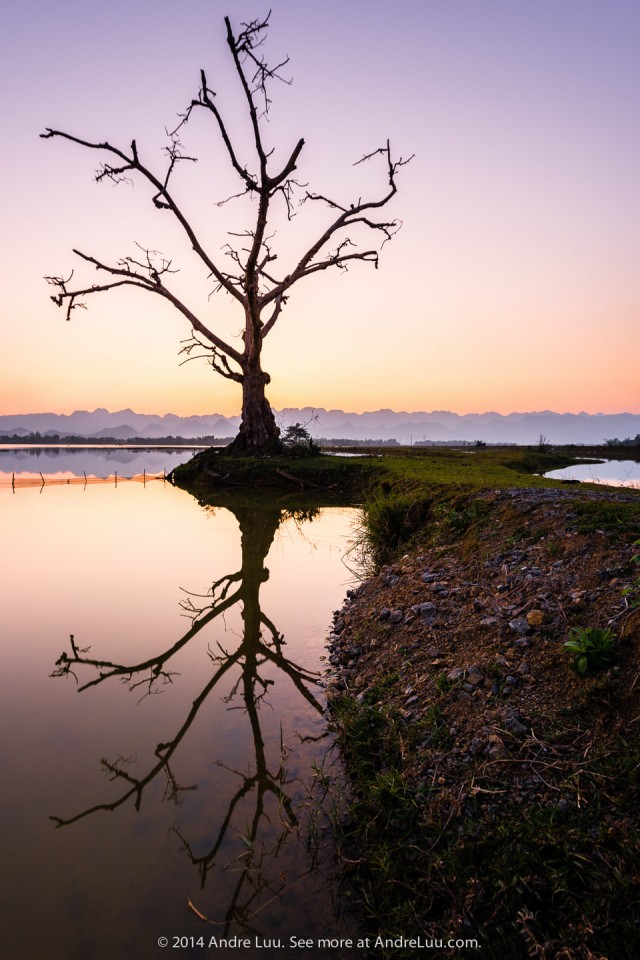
391	520
591	647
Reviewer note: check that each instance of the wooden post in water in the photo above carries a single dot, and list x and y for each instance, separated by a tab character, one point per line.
144	476
13	482
85	479
115	473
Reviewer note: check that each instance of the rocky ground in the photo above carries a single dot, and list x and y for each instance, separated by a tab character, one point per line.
461	642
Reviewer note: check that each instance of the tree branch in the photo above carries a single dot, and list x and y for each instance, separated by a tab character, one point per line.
279	304
347	217
246	40
212	355
205	99
167	202
250	281
151	282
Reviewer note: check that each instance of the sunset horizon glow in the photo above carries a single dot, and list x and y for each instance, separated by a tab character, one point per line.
513	285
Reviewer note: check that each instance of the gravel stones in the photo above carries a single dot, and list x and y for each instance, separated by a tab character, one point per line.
535	618
466	641
488	621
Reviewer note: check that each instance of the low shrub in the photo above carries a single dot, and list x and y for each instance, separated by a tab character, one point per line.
591	647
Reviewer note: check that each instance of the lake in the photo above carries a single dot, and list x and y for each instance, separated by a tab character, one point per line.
611	473
62	462
165	744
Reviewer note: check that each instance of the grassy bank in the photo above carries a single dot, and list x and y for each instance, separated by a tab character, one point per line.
413	471
495	789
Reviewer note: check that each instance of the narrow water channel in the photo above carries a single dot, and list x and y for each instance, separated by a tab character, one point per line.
165	739
611	473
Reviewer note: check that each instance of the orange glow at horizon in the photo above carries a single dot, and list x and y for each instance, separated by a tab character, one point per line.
513	284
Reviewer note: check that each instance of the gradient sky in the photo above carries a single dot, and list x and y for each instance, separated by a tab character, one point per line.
514	283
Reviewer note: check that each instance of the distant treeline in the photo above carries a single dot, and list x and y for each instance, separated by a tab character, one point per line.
628	442
39	439
346	442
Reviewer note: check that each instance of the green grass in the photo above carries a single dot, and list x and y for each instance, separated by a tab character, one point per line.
619	518
213	469
532	879
414	471
527	877
420	861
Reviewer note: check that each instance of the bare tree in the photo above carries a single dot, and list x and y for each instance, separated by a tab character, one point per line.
260	291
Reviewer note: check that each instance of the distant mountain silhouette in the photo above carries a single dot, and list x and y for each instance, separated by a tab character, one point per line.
405	427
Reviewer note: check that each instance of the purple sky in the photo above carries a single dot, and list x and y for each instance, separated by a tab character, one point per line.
514	283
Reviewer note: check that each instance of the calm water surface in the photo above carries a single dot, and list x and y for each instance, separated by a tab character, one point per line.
612	473
66	461
169	758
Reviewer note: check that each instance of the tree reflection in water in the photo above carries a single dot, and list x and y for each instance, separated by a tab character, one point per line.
258	879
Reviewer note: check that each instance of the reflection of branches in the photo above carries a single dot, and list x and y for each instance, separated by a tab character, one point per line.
264	783
222	585
261	645
163	751
155	665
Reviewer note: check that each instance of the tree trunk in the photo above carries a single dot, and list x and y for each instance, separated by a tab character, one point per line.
259	433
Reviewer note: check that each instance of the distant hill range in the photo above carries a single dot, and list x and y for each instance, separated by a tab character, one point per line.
439	426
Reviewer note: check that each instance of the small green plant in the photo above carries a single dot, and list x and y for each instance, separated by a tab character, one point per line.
443	684
459	520
591	648
298	442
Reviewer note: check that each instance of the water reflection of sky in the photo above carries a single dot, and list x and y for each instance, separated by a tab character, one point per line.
111	567
613	473
95	462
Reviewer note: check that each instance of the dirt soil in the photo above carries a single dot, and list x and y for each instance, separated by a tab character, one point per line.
462	639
